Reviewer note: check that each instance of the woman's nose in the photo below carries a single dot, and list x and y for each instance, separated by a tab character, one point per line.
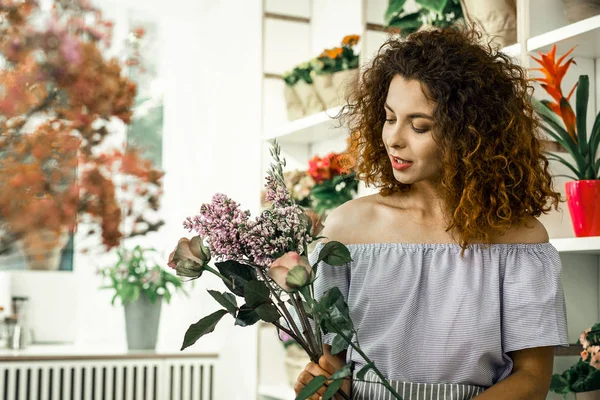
397	139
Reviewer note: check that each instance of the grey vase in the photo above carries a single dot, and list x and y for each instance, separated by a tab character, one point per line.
141	323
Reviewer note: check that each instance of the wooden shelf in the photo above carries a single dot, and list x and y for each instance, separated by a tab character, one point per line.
584	34
279	392
310	129
581	245
574	349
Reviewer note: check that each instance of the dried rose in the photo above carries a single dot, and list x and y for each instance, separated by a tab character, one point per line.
291	271
189	257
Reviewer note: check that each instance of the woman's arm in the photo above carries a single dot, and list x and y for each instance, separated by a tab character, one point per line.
530	378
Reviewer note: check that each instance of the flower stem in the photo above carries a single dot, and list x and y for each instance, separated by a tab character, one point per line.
384	381
308	332
214	271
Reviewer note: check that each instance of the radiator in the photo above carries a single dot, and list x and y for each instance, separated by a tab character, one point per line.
146	379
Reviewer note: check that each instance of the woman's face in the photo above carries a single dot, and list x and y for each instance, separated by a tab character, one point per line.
408	133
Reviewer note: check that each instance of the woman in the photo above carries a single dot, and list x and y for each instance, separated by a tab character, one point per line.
453	288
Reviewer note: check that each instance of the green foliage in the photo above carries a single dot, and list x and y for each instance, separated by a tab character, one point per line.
334	192
201	328
438	13
137	273
301	72
586	163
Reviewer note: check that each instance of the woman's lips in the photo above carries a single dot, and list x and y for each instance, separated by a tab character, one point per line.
400	165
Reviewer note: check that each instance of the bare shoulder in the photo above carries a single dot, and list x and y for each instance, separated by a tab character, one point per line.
347	221
531	231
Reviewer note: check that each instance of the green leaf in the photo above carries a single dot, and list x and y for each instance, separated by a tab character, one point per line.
343	372
559	384
227	300
246	316
335	254
433	5
556	157
338	345
395	7
595	137
167	296
408	23
202	327
582	95
313	386
267	312
363	371
332	389
238	273
256	293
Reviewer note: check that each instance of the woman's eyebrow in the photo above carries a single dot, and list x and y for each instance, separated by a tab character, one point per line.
412	115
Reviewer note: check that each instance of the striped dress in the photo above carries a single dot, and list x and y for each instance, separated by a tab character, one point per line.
438	325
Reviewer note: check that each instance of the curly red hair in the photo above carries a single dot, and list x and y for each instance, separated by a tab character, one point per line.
494	172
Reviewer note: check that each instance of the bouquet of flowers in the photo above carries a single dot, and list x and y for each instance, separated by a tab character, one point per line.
583	376
263	263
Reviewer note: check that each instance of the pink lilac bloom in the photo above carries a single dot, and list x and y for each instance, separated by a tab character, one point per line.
231	235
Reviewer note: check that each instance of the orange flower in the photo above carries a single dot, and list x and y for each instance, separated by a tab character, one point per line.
350	40
554	72
332	53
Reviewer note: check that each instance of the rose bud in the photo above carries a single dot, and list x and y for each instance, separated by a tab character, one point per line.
185	260
284	272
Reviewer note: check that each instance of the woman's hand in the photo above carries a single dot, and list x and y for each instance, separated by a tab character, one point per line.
326	367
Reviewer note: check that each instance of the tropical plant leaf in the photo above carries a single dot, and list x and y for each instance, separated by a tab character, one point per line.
408	23
395	7
551	119
595	138
582	96
227	300
556	157
202	327
313	386
437	6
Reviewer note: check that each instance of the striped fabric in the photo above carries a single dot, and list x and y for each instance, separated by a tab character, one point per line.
370	389
424	314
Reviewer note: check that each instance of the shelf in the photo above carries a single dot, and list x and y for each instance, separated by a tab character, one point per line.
314	128
514	50
581	245
279	392
584	34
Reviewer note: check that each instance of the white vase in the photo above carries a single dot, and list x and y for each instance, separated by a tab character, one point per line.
310	100
497	18
576	10
332	88
42	248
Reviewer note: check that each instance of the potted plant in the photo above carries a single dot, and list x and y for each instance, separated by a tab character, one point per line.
292	101
569	129
582	378
62	102
334	185
436	13
305	89
335	68
140	283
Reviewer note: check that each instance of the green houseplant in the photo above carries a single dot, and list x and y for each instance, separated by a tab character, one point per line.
569	129
140	283
583	377
437	13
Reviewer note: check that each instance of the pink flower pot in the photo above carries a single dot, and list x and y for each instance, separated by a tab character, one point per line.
583	198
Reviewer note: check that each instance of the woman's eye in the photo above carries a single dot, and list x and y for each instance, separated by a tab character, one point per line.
390	120
419	130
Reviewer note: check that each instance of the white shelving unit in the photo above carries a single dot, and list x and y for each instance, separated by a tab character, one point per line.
318	134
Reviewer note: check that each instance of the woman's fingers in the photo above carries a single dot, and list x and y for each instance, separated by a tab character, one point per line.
310	371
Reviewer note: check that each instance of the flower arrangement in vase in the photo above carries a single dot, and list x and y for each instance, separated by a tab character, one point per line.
569	128
60	101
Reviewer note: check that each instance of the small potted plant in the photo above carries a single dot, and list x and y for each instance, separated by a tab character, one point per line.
292	101
569	129
582	378
335	68
140	283
304	88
